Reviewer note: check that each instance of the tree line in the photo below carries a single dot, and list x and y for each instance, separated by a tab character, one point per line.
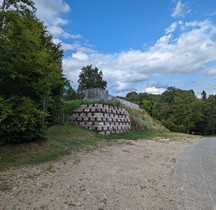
31	79
180	110
32	85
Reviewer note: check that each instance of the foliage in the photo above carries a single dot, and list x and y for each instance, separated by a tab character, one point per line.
30	65
91	78
179	110
147	105
203	95
21	6
20	120
61	140
132	96
69	93
68	139
142	121
186	110
209	109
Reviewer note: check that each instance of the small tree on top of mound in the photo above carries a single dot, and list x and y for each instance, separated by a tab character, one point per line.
91	78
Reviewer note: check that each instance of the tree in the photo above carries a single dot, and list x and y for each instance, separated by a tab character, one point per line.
179	110
210	114
91	78
69	92
133	97
186	110
30	69
203	96
147	105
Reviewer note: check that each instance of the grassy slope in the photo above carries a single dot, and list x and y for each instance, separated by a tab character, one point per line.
67	139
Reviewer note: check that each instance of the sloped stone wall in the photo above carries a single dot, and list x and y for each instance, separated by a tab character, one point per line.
105	119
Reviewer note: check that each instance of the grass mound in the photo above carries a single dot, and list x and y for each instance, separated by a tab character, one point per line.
141	120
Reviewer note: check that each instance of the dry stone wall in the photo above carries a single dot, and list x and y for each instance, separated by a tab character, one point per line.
105	119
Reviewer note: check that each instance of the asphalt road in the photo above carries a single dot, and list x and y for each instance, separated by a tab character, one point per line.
195	176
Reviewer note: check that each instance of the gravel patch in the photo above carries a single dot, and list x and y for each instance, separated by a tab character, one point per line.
132	175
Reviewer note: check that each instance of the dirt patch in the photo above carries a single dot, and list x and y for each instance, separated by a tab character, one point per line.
126	175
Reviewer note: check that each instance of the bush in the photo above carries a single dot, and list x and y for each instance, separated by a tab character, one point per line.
20	120
173	127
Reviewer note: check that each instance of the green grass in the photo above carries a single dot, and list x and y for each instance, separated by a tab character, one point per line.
61	140
66	139
141	120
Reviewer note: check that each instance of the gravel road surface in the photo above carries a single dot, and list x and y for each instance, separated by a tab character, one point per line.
195	176
128	175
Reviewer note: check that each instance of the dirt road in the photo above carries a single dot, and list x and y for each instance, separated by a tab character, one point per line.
135	175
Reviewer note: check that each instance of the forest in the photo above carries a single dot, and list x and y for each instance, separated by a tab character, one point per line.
180	110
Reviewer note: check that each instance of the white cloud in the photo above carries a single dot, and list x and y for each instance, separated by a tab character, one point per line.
154	90
171	28
50	11
187	53
51	8
212	71
178	10
80	56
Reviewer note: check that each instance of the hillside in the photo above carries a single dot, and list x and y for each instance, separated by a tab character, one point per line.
141	120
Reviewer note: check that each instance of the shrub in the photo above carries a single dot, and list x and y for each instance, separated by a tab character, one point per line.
20	120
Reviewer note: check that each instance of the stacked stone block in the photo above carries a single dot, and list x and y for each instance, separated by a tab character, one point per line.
105	119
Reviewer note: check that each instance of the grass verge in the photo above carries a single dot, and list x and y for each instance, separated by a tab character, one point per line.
67	139
61	140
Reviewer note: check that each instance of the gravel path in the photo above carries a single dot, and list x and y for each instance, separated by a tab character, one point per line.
135	175
195	176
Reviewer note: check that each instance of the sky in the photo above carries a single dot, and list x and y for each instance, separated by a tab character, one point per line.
140	45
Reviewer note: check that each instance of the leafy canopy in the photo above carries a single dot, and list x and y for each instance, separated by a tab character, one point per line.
30	70
91	78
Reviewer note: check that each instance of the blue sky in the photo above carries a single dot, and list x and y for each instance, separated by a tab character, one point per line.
140	45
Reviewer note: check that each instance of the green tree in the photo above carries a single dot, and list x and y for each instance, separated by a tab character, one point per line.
147	105
91	78
179	110
210	114
203	95
30	64
69	92
133	97
186	110
161	111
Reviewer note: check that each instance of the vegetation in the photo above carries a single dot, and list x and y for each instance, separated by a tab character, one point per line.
61	140
31	80
33	91
142	121
180	110
69	93
91	78
64	140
